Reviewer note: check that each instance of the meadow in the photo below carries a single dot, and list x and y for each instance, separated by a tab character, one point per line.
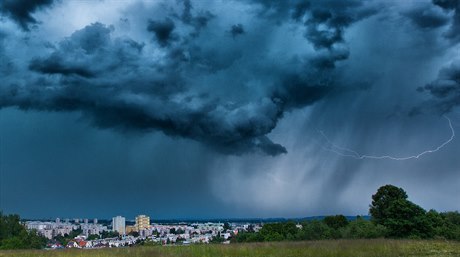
323	248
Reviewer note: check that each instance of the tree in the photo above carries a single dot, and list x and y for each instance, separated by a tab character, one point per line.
449	227
402	217
227	226
109	234
361	228
382	200
406	219
93	237
278	231
452	217
63	240
13	235
316	230
179	231
75	232
336	222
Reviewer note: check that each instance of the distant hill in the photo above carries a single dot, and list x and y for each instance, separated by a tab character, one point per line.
250	220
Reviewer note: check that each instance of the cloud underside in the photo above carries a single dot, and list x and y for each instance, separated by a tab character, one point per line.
119	83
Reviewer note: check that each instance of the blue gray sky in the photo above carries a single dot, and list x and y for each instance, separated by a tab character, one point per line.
209	109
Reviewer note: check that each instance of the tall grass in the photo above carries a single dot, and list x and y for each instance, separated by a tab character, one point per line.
325	248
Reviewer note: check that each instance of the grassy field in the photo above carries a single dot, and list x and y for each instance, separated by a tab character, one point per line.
332	248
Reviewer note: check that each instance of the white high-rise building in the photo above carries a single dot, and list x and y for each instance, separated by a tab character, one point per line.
118	224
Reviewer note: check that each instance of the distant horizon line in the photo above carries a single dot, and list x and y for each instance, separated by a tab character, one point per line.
208	219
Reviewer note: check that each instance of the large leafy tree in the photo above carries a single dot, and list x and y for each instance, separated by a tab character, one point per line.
381	201
13	235
406	219
402	217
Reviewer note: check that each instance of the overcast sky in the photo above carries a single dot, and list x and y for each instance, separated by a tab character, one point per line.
243	108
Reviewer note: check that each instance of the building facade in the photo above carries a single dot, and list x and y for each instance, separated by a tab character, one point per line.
118	224
142	222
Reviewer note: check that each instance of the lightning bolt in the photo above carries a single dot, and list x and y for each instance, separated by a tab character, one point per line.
346	152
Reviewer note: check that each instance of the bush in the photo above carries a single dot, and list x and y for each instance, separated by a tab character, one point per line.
361	228
336	222
316	230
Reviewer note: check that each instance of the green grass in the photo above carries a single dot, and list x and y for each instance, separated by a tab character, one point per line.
326	248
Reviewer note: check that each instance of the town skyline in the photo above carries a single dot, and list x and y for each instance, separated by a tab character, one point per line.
83	233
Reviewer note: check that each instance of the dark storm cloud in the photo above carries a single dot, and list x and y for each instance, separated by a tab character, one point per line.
447	4
424	16
55	65
187	12
115	83
326	59
324	38
163	31
21	10
446	88
6	66
298	91
110	82
198	21
88	52
299	10
325	23
237	30
451	5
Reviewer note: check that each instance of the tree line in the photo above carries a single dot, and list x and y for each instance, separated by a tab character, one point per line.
392	216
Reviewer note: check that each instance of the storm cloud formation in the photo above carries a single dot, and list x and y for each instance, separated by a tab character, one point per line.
446	88
451	6
427	17
224	100
116	84
21	10
111	82
163	31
